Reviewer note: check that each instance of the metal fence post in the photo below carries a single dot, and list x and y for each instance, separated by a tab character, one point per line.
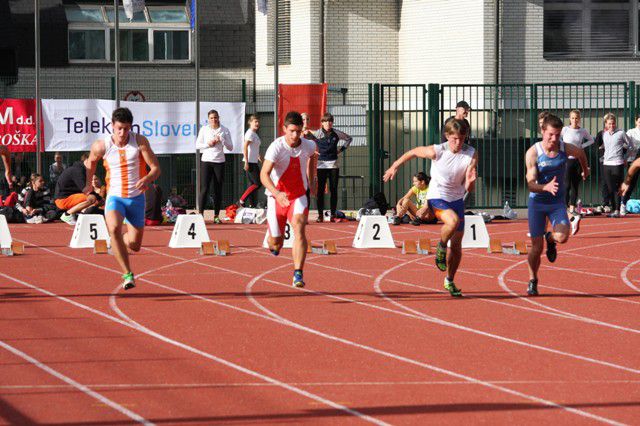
632	105
533	112
376	148
434	112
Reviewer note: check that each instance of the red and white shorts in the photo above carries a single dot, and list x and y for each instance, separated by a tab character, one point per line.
277	215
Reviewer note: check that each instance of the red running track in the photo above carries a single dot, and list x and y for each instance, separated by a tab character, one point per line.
373	337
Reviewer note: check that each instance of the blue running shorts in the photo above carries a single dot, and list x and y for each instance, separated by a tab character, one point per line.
132	209
538	213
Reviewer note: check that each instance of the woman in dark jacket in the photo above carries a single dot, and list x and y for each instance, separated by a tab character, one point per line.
327	139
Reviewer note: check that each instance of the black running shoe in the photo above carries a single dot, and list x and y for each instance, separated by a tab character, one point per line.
552	251
533	288
415	221
441	256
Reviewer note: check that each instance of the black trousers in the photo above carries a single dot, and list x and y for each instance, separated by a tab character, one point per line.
212	173
632	187
613	177
572	180
253	175
333	176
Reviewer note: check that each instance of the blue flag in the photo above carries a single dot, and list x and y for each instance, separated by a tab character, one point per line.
192	12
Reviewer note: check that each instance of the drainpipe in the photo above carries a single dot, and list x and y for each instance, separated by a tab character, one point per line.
321	47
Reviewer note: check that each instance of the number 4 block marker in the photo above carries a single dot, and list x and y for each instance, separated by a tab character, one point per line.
189	232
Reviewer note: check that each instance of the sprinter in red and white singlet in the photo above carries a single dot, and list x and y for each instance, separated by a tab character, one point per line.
288	167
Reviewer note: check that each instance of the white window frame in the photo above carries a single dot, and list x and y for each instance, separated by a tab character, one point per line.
124	25
586	7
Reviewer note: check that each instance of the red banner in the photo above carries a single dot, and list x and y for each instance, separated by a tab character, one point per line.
18	124
309	98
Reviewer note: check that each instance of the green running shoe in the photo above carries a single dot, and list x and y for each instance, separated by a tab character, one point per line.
127	281
441	256
452	289
217	220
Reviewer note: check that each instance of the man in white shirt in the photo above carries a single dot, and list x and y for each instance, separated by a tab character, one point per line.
251	151
289	166
212	139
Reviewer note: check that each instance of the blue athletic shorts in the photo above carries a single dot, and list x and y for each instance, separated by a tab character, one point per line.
132	209
538	213
438	205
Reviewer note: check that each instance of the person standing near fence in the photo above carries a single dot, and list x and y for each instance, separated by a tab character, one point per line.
212	139
453	173
251	151
126	156
614	143
56	169
327	139
632	154
580	138
546	163
462	112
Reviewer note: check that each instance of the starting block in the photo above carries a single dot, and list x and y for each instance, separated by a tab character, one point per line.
100	247
221	248
422	246
328	247
409	247
16	249
218	248
516	248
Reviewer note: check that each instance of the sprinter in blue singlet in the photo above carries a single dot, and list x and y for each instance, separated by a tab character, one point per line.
546	164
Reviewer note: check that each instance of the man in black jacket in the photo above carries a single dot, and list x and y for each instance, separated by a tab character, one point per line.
69	196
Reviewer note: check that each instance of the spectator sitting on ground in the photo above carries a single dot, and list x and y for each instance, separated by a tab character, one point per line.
37	202
419	211
69	196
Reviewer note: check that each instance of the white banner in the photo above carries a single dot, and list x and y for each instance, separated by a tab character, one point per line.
74	124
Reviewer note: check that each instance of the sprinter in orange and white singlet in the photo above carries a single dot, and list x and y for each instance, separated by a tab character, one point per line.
288	169
125	156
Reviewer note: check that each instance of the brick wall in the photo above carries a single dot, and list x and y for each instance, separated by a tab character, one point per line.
522	52
442	41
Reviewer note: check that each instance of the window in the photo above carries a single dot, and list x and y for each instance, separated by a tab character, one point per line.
157	34
86	44
284	31
590	29
170	45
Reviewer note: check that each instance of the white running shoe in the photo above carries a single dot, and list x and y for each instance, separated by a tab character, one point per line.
68	218
623	210
575	223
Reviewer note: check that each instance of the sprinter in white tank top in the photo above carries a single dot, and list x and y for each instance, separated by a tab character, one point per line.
126	156
453	172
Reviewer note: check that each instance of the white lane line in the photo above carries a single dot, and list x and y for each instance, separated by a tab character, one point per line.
369	305
79	386
114	305
527	299
624	275
424	365
116	386
135	326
